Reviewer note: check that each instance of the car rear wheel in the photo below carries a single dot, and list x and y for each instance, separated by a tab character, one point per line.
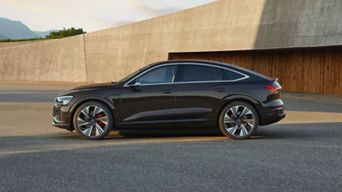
93	120
238	120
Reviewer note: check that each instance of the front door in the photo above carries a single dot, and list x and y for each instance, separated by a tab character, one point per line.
148	98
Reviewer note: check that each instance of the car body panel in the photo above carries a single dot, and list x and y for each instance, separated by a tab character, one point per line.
138	101
200	96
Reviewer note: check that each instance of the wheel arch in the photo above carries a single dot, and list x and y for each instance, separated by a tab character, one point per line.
83	100
242	98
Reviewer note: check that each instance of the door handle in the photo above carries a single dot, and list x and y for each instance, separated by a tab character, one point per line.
220	89
167	91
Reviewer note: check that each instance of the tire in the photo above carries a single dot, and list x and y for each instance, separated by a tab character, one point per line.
93	120
238	120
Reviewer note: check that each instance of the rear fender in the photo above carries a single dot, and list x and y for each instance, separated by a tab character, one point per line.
244	98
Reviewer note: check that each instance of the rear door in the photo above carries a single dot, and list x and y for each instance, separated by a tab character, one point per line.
200	89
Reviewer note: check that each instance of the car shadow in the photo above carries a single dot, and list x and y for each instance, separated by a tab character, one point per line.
322	134
276	131
162	133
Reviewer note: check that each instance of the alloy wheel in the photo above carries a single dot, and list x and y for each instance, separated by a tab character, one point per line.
239	121
92	121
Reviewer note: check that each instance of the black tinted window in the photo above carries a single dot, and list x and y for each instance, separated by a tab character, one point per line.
231	75
206	73
163	74
200	73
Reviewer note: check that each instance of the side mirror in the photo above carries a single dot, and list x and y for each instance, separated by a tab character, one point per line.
135	84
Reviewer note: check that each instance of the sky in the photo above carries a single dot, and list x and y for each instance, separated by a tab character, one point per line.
91	15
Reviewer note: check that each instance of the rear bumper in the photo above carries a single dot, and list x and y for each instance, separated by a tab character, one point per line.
272	112
271	116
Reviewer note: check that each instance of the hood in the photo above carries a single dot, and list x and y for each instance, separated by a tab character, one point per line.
96	85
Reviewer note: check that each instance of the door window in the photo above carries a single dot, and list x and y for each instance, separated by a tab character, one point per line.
160	75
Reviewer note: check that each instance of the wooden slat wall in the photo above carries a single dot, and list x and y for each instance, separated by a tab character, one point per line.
315	70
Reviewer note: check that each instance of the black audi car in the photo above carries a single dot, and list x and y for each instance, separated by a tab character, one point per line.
184	93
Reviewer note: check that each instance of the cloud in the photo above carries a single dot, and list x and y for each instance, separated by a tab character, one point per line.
149	10
90	15
118	23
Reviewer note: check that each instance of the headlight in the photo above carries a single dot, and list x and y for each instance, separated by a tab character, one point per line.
63	100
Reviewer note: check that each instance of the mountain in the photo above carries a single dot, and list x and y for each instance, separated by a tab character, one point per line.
10	29
15	29
3	37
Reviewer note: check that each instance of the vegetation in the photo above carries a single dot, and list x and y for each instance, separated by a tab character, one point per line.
14	40
65	33
53	35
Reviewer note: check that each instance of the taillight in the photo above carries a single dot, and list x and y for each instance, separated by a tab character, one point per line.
272	89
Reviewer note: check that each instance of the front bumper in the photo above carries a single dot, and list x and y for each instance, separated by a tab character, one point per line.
62	117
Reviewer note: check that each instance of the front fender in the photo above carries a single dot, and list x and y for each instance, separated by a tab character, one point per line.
86	98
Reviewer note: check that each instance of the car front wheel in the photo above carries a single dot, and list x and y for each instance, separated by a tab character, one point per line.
93	120
238	120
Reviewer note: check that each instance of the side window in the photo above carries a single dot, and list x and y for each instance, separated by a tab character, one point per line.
231	75
200	73
164	74
193	73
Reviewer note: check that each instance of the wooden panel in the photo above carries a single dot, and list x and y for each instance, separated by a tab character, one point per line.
332	71
314	70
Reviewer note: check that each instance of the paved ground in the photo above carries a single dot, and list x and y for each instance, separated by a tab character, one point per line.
301	153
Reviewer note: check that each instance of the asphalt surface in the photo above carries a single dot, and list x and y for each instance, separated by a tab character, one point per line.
7	95
303	153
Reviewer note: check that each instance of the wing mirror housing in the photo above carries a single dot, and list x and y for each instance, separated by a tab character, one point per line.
135	84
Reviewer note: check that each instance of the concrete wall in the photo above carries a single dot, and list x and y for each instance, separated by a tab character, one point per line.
220	26
300	23
17	43
53	60
224	25
113	53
